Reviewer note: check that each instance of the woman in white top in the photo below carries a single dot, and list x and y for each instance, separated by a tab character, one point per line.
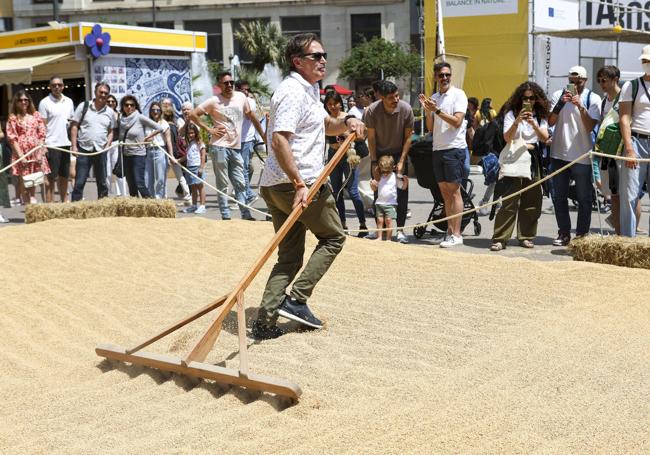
155	171
527	112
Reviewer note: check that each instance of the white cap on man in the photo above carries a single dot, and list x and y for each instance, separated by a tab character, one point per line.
645	53
578	71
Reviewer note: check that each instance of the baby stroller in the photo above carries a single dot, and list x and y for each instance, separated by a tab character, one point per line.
421	159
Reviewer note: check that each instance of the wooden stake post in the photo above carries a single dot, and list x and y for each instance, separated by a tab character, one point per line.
193	364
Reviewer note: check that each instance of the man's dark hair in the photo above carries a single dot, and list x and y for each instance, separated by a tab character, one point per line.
103	84
386	88
438	66
222	74
297	45
240	83
609	71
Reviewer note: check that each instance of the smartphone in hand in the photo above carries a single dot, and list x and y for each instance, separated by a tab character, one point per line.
571	88
527	106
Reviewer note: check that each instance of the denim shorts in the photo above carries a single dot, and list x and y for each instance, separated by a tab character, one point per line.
191	180
449	165
386	211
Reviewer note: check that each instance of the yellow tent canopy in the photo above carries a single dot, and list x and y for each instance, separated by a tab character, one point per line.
19	70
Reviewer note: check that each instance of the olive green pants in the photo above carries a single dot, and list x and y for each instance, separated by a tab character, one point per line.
322	219
524	209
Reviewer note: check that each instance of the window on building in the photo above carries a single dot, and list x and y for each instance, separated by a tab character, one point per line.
244	56
366	26
6	24
159	24
300	24
215	37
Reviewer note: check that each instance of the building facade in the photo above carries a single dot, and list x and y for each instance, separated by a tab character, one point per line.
339	23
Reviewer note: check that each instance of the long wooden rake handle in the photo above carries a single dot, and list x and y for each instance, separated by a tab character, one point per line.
205	344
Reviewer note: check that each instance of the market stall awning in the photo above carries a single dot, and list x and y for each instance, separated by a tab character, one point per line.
337	88
601	34
19	70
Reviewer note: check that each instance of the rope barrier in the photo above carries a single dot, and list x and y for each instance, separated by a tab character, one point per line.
212	187
117	144
589	154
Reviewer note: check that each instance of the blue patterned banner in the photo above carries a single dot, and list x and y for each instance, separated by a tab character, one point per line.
148	79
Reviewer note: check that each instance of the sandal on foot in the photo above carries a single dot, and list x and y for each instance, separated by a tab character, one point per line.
526	243
497	246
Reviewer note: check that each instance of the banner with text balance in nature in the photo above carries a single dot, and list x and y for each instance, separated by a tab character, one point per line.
492	34
464	8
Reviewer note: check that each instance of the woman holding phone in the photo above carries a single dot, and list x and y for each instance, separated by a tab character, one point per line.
526	115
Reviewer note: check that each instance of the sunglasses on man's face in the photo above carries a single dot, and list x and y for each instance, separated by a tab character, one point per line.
129	105
444	75
228	82
316	56
56	85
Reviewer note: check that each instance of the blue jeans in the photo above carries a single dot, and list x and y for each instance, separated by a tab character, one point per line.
581	174
155	172
134	173
229	164
629	186
337	177
98	163
247	154
466	165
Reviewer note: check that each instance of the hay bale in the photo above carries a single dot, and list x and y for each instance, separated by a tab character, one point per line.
613	249
103	208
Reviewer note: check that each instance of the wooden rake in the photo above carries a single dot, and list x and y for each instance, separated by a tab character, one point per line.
193	364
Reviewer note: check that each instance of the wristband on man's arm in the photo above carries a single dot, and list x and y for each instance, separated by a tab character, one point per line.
559	105
347	117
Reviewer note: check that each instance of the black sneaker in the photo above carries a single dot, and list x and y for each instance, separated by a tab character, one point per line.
260	331
299	312
363	233
562	240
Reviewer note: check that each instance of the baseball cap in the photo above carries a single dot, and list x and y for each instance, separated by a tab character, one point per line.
645	53
578	71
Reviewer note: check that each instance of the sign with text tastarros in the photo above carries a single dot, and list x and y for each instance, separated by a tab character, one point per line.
463	8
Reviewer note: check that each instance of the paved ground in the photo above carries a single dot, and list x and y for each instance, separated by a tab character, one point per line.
420	204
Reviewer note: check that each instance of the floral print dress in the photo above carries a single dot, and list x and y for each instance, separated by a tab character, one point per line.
28	131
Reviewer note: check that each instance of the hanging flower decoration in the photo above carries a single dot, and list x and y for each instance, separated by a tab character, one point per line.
98	42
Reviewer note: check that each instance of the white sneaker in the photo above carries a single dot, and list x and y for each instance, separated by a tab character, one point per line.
401	238
190	209
3	219
452	241
371	236
200	209
485	211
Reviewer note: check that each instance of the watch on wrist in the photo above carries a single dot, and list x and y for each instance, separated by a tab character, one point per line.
437	111
347	117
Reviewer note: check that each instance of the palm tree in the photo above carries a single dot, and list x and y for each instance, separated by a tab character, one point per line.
264	42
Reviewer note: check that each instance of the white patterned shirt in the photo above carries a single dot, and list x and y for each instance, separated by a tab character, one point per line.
296	108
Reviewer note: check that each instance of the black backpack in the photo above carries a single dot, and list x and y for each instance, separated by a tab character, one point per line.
489	138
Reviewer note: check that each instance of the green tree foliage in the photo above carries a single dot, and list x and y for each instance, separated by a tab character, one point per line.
368	59
255	82
252	76
264	42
